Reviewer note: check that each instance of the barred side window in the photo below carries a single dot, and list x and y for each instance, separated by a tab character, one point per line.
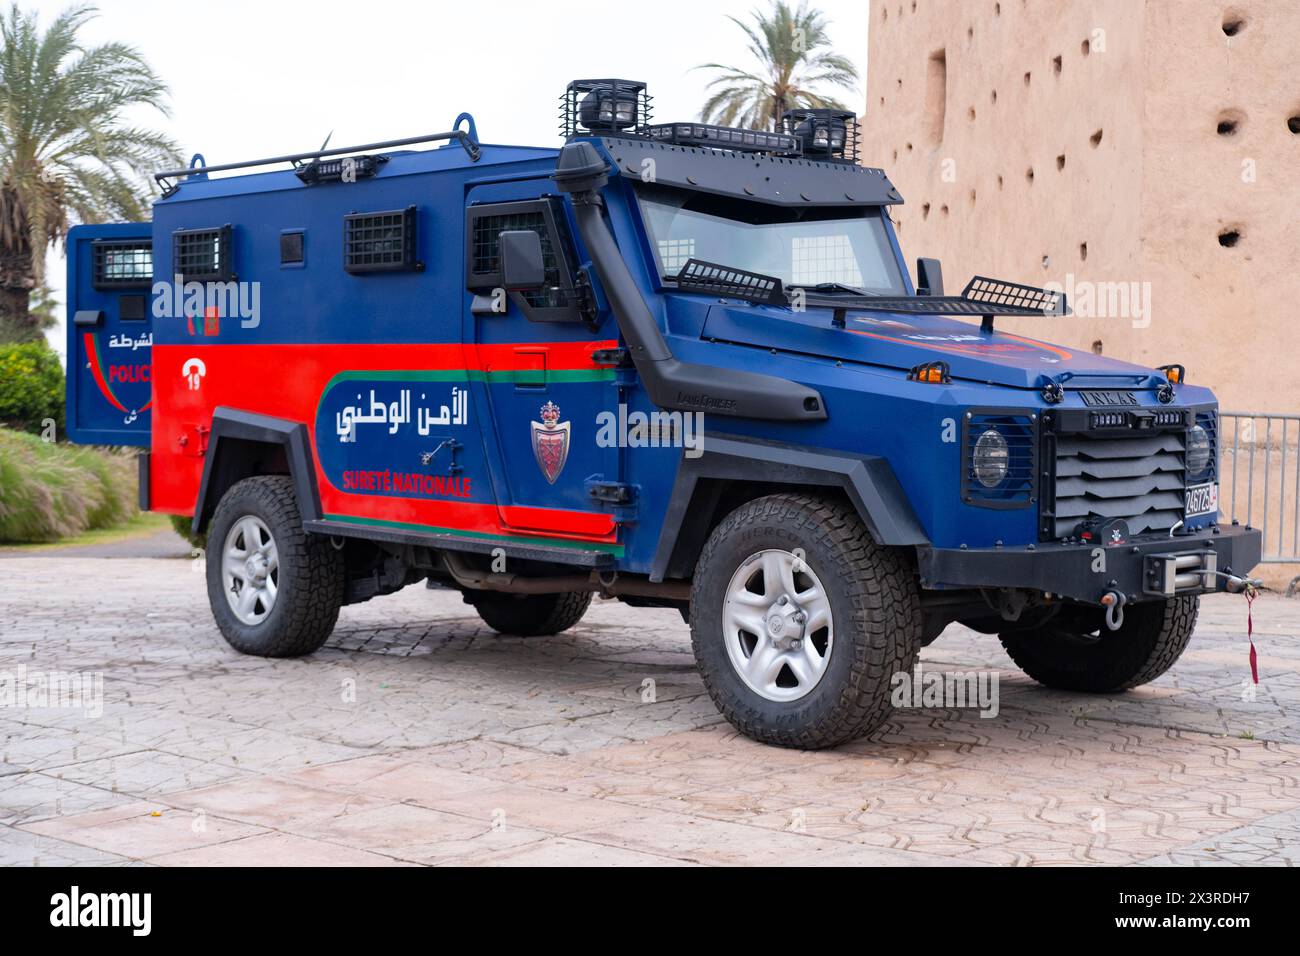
485	245
122	264
380	241
484	225
203	255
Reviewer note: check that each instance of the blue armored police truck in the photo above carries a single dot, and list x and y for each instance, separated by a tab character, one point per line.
679	365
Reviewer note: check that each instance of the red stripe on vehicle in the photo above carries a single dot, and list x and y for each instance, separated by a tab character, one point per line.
97	371
286	381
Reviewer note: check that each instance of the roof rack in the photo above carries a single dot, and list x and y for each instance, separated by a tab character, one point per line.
466	139
700	275
724	137
982	296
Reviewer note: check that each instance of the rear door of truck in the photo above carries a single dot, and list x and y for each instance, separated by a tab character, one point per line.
110	334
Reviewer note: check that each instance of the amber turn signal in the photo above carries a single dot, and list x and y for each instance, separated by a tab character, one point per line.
932	373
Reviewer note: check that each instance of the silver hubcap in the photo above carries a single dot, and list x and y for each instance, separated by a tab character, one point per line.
250	569
777	625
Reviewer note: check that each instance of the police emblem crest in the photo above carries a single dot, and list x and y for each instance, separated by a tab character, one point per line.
550	441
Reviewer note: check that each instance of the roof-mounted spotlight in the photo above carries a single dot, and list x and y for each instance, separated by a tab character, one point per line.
826	133
607	109
603	107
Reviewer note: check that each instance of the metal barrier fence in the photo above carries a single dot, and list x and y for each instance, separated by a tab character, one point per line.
1259	478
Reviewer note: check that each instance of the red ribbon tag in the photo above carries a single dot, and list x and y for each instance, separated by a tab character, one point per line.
1250	636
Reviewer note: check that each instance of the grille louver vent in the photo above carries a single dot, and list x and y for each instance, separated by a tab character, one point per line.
1139	479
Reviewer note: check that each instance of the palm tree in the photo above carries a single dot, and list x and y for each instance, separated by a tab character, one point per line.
789	46
67	151
42	307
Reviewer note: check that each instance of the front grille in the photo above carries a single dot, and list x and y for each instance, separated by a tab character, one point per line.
1137	478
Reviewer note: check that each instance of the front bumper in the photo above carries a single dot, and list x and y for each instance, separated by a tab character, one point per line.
1146	568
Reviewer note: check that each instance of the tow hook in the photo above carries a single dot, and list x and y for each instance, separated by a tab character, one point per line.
1113	602
1235	585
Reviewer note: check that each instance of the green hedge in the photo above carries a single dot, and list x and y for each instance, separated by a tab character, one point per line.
50	491
182	524
31	386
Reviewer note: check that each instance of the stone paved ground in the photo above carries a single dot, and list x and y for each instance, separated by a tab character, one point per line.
419	737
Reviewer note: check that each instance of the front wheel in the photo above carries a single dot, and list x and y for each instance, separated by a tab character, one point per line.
275	590
800	622
1075	655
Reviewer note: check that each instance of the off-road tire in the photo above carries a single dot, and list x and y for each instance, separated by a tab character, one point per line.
311	573
875	604
530	615
1154	635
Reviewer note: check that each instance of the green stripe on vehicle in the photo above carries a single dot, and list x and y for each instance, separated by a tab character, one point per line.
614	549
504	376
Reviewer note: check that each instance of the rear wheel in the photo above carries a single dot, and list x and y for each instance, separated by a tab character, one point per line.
530	615
799	622
275	590
1072	655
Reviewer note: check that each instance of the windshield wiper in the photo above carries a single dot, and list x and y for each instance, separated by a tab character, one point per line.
834	287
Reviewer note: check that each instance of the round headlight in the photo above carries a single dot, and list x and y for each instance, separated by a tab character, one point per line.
991	458
1198	450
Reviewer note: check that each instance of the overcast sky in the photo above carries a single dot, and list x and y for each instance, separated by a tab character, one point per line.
256	78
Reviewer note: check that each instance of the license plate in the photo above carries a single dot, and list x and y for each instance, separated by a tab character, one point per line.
1202	499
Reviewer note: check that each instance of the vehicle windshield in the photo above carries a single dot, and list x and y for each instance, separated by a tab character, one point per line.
814	246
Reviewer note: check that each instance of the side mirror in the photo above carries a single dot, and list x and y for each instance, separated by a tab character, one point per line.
929	277
522	268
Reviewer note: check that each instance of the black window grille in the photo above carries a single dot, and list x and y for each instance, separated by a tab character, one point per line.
560	299
485	253
380	241
122	264
202	255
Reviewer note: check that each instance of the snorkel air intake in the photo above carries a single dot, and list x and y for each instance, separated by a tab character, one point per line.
671	384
